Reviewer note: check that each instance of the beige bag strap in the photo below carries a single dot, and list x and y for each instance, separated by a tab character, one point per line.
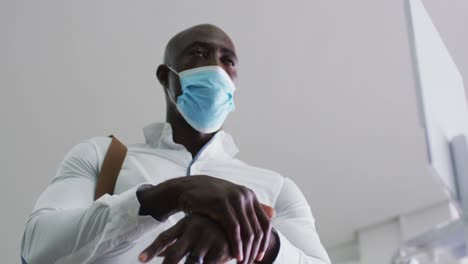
110	168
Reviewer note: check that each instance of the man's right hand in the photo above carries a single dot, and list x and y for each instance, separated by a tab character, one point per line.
235	207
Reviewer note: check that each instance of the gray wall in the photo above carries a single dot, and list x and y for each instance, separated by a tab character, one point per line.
325	95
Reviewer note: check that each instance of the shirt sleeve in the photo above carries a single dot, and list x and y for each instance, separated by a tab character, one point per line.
68	226
295	225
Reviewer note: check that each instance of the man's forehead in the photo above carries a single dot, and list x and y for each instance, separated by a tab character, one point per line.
207	34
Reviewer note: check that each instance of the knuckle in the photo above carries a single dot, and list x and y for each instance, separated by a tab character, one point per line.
164	237
251	193
245	191
249	237
237	197
225	206
258	233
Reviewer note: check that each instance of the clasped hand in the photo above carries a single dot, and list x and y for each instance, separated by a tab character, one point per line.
224	221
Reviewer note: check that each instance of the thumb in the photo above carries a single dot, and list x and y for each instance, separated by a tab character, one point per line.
164	240
269	211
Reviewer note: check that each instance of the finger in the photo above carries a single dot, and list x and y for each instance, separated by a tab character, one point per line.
158	250
270	212
257	231
163	251
233	231
173	254
200	250
164	239
246	230
266	227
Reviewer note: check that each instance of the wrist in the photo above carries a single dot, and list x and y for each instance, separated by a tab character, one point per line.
141	195
160	201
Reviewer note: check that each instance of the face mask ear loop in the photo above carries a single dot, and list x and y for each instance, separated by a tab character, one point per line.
176	73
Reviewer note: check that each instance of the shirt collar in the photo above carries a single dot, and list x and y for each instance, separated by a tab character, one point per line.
221	145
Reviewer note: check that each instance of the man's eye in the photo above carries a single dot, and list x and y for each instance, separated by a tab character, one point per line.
198	52
229	61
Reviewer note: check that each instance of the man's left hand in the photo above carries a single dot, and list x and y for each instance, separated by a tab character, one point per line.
194	234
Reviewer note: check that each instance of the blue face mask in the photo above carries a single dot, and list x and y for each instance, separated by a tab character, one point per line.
207	97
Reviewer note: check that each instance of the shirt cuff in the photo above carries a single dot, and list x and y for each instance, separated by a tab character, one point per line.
125	214
287	252
117	219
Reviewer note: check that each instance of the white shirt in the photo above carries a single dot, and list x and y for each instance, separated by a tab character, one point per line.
68	226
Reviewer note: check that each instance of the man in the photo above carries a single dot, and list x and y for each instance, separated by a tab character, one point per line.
157	214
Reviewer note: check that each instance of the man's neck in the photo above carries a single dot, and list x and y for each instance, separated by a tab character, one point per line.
184	134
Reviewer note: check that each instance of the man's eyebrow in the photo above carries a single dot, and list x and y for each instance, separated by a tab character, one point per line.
195	44
229	52
224	50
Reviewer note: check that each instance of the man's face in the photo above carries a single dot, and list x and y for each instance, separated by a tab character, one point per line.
197	47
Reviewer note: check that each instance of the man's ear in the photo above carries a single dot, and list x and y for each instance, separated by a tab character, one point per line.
163	75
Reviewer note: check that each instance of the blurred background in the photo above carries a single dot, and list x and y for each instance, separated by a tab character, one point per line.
325	96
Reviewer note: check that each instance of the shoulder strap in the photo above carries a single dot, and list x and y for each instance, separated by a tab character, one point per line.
110	168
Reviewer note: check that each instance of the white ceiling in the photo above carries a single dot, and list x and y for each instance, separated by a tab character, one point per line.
325	94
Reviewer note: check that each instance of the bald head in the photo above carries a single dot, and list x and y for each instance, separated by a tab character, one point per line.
202	33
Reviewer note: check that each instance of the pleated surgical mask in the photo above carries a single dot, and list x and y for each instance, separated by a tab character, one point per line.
207	97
